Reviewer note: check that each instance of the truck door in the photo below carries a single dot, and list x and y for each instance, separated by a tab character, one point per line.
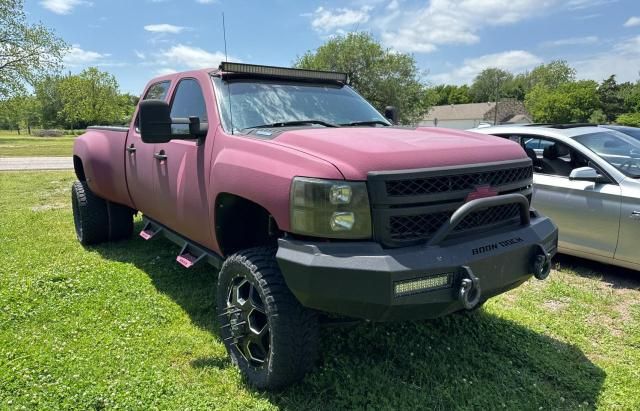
181	171
139	160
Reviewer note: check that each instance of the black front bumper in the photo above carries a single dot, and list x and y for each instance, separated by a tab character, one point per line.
358	279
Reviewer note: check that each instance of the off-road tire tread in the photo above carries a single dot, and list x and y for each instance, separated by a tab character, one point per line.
92	213
294	328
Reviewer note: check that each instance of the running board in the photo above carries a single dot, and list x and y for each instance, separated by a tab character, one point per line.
190	253
150	229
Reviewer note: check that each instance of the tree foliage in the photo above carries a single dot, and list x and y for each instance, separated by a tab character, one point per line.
27	51
70	101
488	84
568	102
380	75
629	119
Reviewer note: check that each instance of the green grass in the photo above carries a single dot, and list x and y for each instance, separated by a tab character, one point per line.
13	145
123	326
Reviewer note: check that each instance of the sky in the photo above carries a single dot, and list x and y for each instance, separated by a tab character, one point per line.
451	40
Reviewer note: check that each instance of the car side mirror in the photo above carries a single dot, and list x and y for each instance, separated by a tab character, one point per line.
586	174
391	114
156	124
155	121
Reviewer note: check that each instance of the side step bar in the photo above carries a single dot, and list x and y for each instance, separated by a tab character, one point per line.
190	254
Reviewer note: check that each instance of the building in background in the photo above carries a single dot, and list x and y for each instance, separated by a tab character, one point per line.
465	116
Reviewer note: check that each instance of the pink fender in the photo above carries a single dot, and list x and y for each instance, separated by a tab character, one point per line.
101	150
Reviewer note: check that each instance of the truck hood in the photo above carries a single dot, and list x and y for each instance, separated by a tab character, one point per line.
356	151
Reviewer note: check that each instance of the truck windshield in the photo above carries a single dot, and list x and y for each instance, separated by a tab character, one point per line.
618	149
260	103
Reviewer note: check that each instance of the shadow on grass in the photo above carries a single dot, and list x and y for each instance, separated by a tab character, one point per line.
462	361
616	277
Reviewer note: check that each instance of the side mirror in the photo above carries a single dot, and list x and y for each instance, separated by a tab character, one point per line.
156	124
391	114
155	121
586	174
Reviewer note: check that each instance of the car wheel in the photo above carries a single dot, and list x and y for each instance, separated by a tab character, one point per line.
90	215
268	334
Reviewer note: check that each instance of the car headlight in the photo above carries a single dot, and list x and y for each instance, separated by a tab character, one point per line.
330	209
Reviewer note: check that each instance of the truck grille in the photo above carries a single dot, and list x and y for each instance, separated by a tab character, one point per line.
442	184
409	207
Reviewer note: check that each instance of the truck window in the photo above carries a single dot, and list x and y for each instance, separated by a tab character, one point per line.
188	101
158	91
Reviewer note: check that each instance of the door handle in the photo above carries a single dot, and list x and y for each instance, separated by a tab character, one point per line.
131	149
160	156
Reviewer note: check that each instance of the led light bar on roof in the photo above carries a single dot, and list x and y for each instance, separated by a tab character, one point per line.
281	72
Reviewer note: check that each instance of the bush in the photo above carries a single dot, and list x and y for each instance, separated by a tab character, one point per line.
629	119
48	133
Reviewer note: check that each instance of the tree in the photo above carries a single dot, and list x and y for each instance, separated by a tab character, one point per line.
610	98
487	85
573	101
380	75
629	119
27	52
551	75
90	97
19	112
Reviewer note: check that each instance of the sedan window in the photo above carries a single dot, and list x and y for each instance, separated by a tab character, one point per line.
619	150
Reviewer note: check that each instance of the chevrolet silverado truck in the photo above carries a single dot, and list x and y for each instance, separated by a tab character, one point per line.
311	205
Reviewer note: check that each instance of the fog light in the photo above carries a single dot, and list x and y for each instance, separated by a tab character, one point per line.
421	284
342	221
340	194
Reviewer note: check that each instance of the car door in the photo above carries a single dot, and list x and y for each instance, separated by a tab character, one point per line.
180	168
587	213
139	159
627	250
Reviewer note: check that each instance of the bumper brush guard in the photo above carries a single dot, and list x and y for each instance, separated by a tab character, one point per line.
470	293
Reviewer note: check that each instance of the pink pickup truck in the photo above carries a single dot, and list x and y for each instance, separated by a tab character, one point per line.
310	202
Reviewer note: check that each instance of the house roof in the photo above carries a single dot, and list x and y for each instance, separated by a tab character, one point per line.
518	118
471	111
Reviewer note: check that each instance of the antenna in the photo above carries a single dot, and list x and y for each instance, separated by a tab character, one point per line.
226	57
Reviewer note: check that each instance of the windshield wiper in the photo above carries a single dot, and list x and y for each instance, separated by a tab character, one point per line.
365	123
294	123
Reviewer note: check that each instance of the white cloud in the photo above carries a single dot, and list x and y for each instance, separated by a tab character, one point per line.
60	6
452	22
571	41
632	22
585	4
165	71
192	57
76	56
623	61
164	28
206	1
513	61
329	20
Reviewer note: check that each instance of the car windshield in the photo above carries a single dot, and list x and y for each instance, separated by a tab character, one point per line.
260	103
630	131
619	150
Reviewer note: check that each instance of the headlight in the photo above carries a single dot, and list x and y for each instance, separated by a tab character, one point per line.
331	209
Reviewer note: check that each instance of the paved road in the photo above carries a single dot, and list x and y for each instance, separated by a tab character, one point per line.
35	163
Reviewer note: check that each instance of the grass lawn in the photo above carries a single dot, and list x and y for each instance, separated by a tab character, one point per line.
13	145
123	326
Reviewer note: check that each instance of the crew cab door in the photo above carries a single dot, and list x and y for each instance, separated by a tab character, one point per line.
181	168
139	159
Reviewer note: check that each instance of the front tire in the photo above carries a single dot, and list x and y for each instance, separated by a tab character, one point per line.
97	220
268	334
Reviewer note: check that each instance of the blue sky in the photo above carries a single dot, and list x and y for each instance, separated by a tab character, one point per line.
451	40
